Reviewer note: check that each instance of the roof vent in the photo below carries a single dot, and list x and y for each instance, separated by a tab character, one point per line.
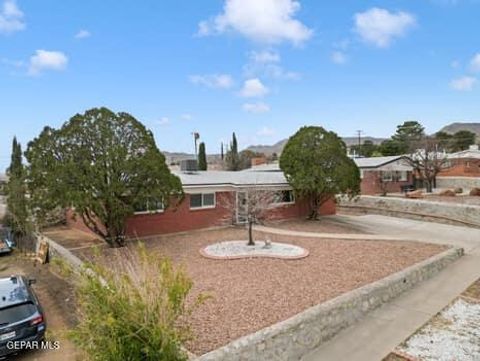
188	165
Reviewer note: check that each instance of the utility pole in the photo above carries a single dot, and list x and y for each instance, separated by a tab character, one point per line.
359	134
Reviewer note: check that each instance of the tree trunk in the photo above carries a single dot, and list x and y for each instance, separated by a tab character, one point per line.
429	186
313	208
250	232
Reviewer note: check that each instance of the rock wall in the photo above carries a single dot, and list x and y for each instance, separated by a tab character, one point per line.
454	182
443	212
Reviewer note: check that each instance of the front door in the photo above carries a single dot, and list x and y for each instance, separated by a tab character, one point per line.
242	207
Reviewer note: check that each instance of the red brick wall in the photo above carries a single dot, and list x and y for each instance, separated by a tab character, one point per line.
371	186
462	168
182	218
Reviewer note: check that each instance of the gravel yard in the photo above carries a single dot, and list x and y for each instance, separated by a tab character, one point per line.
250	294
322	225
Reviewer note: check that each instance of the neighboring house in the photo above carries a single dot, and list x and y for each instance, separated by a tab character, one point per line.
462	164
384	174
208	196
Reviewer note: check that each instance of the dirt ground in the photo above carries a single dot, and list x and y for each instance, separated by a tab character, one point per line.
56	297
250	294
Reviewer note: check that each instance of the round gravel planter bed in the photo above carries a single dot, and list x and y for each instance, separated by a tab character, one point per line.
239	249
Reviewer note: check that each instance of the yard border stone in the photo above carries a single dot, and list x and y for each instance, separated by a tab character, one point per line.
295	337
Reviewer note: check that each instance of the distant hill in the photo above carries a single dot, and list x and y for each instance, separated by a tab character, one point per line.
278	147
456	127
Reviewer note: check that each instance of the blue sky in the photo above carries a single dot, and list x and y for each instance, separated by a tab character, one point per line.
262	68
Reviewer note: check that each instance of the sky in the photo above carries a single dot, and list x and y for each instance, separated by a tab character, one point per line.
261	68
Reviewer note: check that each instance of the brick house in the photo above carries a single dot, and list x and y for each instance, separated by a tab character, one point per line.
384	174
462	164
208	194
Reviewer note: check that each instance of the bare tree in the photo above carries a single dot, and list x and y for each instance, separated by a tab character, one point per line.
427	161
255	205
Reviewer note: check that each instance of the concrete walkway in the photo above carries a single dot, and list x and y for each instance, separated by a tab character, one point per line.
372	338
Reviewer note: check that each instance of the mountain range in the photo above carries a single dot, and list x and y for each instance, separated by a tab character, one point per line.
278	146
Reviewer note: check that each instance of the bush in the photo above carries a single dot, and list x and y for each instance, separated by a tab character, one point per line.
134	309
447	193
475	192
459	190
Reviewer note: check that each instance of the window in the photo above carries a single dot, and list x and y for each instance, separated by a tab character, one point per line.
286	196
17	313
150	206
202	200
394	176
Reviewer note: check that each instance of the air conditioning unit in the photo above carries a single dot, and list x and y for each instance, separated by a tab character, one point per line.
188	165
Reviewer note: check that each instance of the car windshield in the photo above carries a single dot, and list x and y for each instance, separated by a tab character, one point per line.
16	313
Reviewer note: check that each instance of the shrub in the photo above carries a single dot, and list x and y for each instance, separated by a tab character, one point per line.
459	190
475	192
134	309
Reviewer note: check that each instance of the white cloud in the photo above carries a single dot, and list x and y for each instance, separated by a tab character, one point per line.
11	18
379	26
266	21
47	60
266	132
82	34
186	116
339	57
465	83
265	56
163	121
266	64
253	88
256	108
475	63
219	81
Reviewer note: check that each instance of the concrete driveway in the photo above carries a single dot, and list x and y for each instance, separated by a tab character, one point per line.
375	336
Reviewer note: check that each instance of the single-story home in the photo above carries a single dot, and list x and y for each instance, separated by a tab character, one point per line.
384	174
215	198
462	164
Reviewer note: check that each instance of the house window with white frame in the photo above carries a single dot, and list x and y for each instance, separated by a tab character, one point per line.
149	207
202	200
286	196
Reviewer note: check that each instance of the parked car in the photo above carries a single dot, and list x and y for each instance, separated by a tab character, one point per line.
6	240
21	315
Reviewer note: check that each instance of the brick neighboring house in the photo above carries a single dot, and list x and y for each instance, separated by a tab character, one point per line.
462	164
381	174
206	195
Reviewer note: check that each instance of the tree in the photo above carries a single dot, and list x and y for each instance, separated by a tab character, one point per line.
427	161
202	157
407	135
256	204
444	140
245	158
316	165
17	211
134	308
390	147
462	139
366	149
101	165
232	159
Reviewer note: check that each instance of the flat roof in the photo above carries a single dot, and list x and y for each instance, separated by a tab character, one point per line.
375	162
229	178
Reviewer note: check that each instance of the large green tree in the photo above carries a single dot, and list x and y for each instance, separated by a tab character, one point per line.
462	139
202	157
407	135
102	165
17	213
316	165
232	158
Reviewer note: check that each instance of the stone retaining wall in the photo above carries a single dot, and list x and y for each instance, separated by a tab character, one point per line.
463	182
56	251
293	338
453	213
